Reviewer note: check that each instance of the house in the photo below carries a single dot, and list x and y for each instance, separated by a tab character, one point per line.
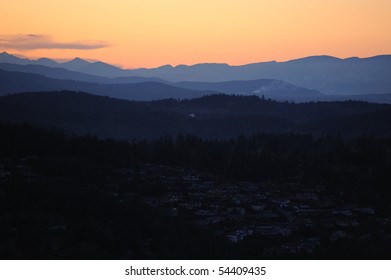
273	230
239	234
307	196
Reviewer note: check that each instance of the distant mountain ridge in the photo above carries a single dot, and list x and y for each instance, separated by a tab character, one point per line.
327	74
65	74
17	82
22	78
17	79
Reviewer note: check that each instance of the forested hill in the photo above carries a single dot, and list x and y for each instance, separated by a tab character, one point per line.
214	116
83	198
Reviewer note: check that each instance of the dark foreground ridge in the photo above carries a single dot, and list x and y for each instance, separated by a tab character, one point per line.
261	196
210	117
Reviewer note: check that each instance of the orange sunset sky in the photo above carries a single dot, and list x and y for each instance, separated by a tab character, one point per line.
150	33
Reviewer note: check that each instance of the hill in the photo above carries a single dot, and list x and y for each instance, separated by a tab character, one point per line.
12	82
211	117
269	88
116	87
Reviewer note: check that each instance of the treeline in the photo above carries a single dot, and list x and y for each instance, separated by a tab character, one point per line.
210	117
360	163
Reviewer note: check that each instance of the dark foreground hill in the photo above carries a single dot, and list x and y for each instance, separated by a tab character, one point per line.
286	196
213	117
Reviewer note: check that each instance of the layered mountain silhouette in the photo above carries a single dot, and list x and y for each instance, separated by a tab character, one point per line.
65	74
21	79
14	82
329	75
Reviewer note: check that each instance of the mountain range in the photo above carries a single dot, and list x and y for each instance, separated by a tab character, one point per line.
22	78
326	74
17	82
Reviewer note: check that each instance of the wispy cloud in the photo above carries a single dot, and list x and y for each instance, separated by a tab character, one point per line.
38	41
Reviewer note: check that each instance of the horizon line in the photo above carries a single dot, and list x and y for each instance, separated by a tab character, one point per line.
93	60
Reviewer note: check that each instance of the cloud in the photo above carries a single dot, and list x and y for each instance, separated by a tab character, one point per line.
37	41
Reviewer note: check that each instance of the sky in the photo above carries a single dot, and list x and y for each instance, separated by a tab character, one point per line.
150	33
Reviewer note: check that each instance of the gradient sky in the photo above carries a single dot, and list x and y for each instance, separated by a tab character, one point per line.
150	33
